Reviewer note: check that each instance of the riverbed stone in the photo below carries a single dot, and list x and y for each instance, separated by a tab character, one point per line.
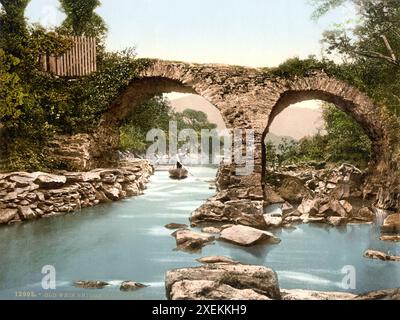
131	286
391	224
378	255
211	230
91	284
174	226
389	294
210	290
187	240
6	215
247	236
391	238
272	222
223	281
36	195
217	259
293	190
26	213
305	295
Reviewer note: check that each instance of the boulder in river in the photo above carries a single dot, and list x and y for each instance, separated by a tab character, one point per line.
6	215
378	255
91	284
271	221
187	240
392	224
293	190
297	294
217	260
392	238
247	236
389	294
222	282
131	286
174	226
211	230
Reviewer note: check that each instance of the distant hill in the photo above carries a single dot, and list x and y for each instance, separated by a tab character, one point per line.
298	122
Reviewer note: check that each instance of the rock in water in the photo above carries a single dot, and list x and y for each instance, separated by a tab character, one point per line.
315	295
211	230
6	215
222	282
272	222
378	255
390	294
247	236
293	190
187	240
392	238
210	290
217	259
91	284
392	224
131	286
174	226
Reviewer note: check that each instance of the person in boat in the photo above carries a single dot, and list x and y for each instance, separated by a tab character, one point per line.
179	164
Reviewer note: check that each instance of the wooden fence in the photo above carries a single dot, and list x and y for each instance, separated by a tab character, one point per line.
79	61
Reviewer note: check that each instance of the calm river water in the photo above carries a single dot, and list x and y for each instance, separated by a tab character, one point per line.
127	241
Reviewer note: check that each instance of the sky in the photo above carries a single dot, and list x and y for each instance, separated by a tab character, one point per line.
255	33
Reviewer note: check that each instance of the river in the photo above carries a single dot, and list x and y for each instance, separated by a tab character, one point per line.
127	241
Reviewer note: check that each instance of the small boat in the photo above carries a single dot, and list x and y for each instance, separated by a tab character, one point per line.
178	173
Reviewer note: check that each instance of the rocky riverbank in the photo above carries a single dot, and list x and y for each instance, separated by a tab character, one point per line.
224	279
28	196
333	196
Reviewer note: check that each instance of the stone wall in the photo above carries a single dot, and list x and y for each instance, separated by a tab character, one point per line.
28	196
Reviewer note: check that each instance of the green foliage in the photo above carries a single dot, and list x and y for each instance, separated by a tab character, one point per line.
344	141
13	29
154	114
192	119
12	92
371	46
322	7
87	98
157	113
82	20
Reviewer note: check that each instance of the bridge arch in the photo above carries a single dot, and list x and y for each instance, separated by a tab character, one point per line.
247	99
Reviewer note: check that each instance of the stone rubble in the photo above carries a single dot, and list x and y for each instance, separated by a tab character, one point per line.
28	196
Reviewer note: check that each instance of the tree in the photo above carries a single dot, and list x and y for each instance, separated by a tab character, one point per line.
13	28
346	140
376	35
12	92
82	20
371	44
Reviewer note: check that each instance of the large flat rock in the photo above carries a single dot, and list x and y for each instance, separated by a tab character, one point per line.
227	281
247	236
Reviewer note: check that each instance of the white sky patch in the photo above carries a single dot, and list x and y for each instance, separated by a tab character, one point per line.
175	95
311	104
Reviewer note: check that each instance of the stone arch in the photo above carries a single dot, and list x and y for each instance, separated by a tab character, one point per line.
207	81
346	97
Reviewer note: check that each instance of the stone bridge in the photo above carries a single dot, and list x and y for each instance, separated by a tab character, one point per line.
247	99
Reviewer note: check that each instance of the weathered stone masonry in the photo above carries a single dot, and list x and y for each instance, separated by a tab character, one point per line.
247	99
28	196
